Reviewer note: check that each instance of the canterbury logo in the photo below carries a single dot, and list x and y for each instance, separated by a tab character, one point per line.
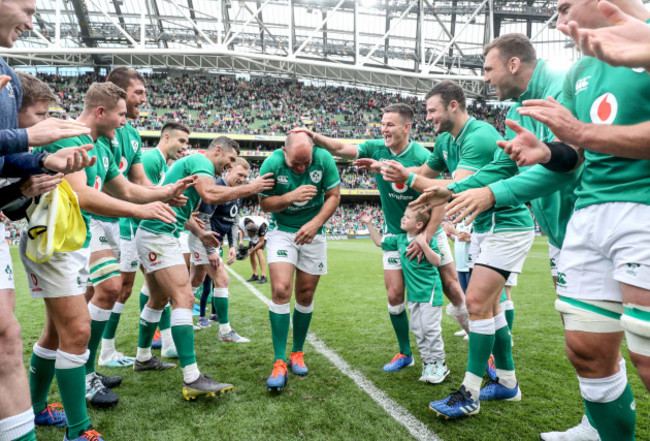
283	253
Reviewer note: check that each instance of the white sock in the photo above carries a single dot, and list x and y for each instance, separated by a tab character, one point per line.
507	378
473	384
16	426
166	338
191	373
224	328
143	354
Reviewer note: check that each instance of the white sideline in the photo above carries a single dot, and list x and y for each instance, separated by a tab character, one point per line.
399	413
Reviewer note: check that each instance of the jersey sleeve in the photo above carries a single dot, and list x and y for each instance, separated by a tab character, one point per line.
200	165
331	179
366	149
269	166
389	243
434	245
502	167
435	161
536	182
137	158
478	152
567	92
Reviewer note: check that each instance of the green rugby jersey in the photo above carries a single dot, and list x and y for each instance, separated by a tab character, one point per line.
103	171
471	150
598	93
195	164
155	167
321	173
551	194
480	137
394	197
422	280
125	149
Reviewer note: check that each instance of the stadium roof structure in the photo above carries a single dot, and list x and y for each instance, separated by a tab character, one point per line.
402	45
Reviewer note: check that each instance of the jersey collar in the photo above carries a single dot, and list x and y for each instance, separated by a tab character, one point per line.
463	129
403	152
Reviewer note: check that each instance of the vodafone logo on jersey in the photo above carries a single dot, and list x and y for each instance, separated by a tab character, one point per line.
604	109
123	164
399	188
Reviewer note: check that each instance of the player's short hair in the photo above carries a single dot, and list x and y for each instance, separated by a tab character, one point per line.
225	143
34	90
449	91
242	163
122	76
173	125
103	94
513	45
405	111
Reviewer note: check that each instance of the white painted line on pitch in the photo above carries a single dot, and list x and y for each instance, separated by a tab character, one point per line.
399	413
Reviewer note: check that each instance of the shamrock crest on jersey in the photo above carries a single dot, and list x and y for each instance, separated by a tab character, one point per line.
316	176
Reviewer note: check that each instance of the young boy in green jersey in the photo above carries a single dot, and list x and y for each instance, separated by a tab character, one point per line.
423	289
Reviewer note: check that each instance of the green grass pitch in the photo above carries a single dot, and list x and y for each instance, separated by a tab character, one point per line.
351	318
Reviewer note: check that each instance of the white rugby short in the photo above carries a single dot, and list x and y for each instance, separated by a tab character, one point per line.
6	267
199	256
554	256
505	251
446	256
129	261
184	241
605	244
62	275
309	258
158	251
105	236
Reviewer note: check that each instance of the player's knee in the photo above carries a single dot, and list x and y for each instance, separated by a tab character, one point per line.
11	346
76	336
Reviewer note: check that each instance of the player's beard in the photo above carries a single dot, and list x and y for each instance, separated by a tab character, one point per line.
446	125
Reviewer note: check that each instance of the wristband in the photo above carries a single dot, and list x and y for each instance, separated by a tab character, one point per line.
41	164
564	158
411	180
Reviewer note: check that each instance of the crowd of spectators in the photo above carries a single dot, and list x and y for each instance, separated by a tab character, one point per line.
262	106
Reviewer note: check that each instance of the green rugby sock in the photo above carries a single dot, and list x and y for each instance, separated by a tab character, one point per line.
301	322
183	336
481	341
221	306
41	374
616	420
279	329
72	387
401	326
165	318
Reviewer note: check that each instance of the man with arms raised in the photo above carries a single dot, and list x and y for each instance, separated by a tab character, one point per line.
305	195
396	125
166	272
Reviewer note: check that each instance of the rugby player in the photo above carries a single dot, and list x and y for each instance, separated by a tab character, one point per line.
206	260
166	272
174	138
396	125
255	228
602	275
61	280
306	194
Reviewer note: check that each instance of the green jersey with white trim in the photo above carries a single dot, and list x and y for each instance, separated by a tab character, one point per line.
551	194
598	93
125	150
103	171
195	164
155	167
321	173
473	148
394	197
478	141
422	280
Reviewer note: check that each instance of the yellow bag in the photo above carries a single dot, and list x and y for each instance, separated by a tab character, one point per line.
55	224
